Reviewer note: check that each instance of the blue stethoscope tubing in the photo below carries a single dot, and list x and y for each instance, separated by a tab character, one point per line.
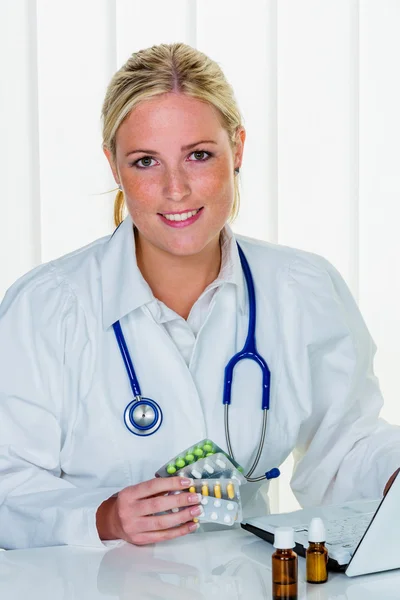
143	416
249	351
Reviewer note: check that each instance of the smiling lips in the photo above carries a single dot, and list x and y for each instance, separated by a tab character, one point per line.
181	216
181	219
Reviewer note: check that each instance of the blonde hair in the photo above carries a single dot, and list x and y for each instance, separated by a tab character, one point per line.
164	68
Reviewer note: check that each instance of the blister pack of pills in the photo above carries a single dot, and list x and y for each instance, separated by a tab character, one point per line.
226	489
220	500
215	466
215	510
200	450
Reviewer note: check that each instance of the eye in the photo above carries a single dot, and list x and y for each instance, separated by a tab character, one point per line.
201	152
143	166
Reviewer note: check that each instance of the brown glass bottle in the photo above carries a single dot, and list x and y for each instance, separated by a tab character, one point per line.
316	563
284	574
316	553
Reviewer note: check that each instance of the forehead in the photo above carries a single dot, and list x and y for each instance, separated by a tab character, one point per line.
171	112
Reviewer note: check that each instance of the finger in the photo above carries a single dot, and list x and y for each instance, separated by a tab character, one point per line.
154	487
152	537
161	522
158	504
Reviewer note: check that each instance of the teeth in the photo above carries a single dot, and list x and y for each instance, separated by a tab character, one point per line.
182	216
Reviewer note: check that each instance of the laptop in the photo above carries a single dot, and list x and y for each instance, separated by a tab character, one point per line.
361	536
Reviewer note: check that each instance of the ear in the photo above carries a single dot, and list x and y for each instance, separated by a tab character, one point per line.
114	170
240	139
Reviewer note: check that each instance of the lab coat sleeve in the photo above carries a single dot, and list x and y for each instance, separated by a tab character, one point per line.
344	451
37	506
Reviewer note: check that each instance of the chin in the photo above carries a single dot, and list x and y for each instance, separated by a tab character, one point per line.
181	243
184	249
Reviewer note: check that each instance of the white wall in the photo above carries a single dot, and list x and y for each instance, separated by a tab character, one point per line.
317	82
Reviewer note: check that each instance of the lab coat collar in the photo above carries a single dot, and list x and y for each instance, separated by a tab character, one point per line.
124	288
231	268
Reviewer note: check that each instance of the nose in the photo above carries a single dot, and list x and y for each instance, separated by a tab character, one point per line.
176	185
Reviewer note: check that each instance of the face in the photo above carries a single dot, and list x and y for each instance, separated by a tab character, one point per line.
176	167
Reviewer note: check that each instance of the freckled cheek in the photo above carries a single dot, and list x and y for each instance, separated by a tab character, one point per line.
142	195
215	186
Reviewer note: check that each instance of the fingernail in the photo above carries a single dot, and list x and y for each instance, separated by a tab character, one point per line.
197	510
194	526
186	482
194	498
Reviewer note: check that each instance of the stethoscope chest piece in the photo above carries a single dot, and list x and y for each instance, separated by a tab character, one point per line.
143	416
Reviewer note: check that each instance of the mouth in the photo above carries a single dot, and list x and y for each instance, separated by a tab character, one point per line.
183	215
182	218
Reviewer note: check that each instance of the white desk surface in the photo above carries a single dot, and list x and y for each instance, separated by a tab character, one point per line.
229	564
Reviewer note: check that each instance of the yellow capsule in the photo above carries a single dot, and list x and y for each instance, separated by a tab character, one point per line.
192	489
195	520
204	490
217	491
230	490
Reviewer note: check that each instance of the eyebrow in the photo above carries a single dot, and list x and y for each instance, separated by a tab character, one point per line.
182	148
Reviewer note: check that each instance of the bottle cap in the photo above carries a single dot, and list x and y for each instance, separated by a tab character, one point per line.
316	530
284	538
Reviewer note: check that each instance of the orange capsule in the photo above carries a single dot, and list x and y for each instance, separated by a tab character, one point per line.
204	490
217	491
230	490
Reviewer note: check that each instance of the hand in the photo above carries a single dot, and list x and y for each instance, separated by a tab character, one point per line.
389	483
131	515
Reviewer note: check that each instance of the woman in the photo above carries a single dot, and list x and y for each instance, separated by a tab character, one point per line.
171	276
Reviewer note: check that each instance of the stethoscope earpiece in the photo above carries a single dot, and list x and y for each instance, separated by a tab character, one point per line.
273	473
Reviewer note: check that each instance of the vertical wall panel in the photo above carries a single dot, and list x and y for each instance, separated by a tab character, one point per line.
353	278
241	38
140	25
380	189
19	202
73	68
316	158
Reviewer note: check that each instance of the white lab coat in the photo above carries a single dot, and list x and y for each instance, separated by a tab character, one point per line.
63	387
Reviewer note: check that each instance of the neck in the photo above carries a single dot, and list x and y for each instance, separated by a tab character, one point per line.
178	281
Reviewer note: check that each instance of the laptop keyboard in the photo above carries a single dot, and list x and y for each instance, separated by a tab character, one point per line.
345	532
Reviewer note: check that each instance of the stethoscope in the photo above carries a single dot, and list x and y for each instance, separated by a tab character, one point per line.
144	416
